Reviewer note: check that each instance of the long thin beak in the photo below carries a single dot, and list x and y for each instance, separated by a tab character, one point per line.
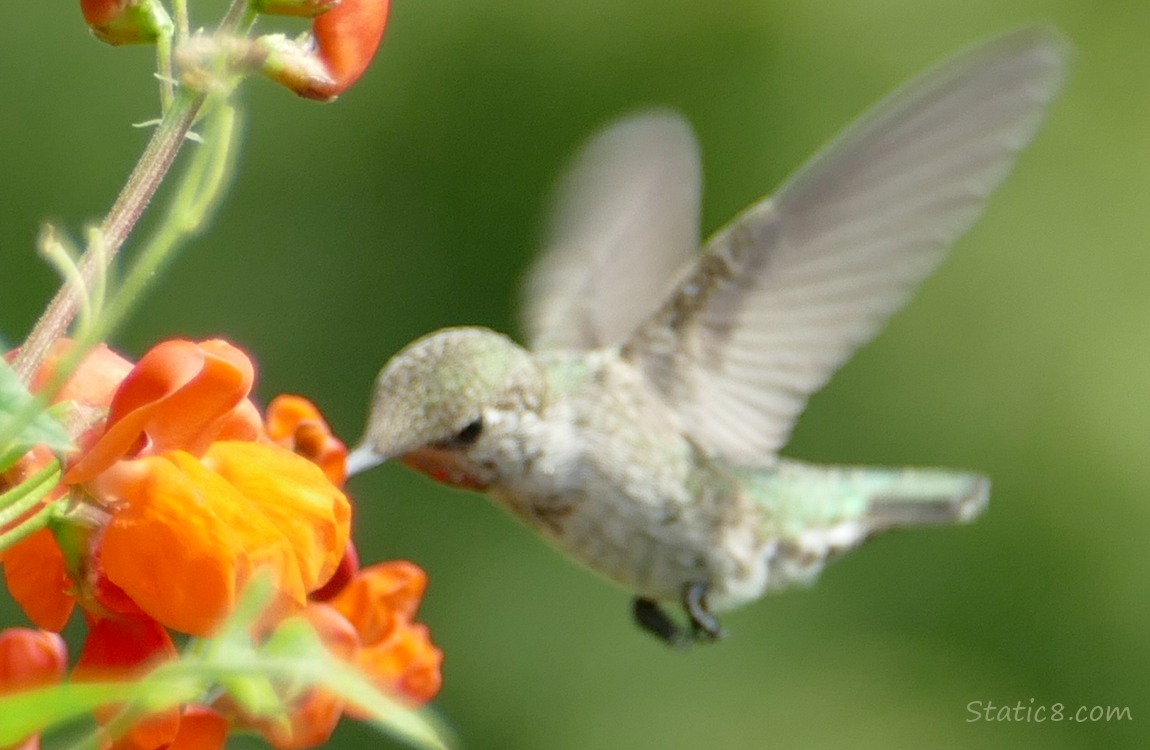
362	458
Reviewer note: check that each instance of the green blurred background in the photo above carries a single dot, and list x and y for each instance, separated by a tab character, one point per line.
416	202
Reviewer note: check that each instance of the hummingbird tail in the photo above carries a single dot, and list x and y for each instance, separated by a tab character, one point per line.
927	497
817	513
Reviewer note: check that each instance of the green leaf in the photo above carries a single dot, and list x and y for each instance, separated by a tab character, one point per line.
263	679
24	714
385	713
24	422
296	643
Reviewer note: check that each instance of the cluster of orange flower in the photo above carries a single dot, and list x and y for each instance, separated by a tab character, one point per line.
182	493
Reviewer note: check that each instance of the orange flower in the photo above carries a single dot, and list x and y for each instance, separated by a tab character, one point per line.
296	424
30	659
370	625
380	603
346	39
36	571
183	493
115	649
194	502
125	648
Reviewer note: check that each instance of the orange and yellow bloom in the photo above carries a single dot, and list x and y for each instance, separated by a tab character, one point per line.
191	502
180	492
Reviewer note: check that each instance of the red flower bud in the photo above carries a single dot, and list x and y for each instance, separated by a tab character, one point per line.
30	658
127	21
347	38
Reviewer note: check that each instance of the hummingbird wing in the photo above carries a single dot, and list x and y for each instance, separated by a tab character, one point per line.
626	219
784	294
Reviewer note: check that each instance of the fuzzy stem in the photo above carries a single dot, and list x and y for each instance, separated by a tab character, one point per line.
142	184
126	211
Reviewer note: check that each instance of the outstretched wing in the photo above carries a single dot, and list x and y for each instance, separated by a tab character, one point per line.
626	219
784	294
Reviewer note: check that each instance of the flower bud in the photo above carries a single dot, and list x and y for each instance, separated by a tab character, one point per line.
30	658
292	64
127	21
347	38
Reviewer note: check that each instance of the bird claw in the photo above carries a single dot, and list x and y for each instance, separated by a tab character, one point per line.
704	626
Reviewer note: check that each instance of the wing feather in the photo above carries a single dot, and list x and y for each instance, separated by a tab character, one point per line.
626	220
785	294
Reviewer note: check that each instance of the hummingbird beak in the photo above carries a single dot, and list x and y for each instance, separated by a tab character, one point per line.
446	466
363	458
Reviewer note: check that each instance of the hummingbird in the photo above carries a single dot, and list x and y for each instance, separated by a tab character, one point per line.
640	429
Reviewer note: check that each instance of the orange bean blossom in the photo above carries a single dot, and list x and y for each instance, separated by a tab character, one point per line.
179	493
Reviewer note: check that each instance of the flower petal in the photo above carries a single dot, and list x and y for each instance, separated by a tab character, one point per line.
124	648
94	381
347	38
300	505
167	547
296	424
344	574
119	648
189	534
180	395
380	597
37	577
395	653
200	729
30	659
406	662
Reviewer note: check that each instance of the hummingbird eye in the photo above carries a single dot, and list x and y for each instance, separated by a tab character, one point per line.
468	434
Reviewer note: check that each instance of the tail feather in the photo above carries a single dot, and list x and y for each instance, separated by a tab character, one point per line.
955	498
817	513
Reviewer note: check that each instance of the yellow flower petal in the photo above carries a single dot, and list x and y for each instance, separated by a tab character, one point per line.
189	532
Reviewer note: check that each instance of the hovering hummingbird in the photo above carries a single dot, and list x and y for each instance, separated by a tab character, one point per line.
640	431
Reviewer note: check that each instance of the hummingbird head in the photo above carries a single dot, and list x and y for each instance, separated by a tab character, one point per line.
444	404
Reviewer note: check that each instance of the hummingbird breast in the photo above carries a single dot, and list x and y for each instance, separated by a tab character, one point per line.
607	476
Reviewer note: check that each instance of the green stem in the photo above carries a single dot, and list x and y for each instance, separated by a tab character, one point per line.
142	184
164	72
129	206
126	211
30	526
198	194
180	8
22	498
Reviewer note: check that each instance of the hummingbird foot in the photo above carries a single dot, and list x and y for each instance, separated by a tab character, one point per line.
651	617
705	626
